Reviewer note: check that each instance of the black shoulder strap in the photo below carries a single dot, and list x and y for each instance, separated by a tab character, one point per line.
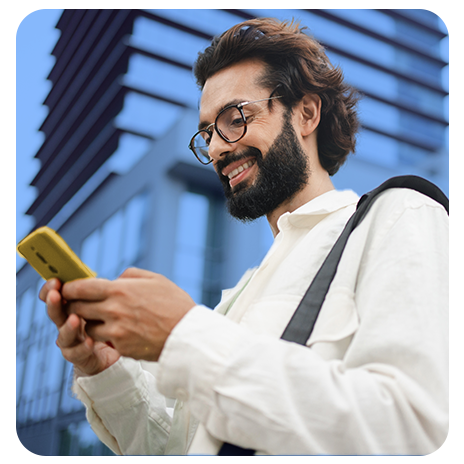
301	325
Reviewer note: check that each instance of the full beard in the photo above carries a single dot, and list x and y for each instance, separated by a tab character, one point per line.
282	173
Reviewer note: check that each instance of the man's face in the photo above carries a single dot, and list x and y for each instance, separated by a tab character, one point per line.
268	165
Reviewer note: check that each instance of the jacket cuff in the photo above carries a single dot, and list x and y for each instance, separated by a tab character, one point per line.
114	388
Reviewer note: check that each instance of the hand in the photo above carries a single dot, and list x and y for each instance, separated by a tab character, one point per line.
76	347
135	313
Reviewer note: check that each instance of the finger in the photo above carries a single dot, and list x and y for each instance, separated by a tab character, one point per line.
70	333
55	308
134	272
90	310
86	289
52	284
80	353
97	331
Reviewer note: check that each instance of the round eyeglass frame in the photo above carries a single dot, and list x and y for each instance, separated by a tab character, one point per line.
207	129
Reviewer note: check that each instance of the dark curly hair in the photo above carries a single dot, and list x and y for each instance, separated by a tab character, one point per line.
297	64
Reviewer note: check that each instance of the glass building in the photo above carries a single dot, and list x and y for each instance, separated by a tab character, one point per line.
118	182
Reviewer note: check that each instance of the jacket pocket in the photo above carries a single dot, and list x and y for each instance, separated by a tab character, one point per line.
338	321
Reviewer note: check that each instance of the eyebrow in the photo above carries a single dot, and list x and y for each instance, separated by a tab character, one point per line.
236	101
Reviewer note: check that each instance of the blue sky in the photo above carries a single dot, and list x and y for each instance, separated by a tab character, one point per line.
35	40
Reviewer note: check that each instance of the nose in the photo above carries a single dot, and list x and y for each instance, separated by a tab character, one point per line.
218	147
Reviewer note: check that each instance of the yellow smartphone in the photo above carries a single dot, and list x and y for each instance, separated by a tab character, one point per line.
51	256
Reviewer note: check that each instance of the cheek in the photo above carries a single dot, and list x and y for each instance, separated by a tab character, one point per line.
263	133
261	138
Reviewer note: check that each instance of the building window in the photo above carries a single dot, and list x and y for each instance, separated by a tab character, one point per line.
78	439
191	242
198	257
117	243
39	363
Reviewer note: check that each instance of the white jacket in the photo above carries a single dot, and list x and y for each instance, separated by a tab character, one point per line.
374	379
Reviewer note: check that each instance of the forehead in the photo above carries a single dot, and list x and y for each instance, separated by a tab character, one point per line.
231	85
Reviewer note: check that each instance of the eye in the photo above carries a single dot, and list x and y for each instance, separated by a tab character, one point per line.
237	122
206	136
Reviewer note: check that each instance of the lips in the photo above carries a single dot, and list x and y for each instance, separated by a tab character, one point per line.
238	170
241	168
235	165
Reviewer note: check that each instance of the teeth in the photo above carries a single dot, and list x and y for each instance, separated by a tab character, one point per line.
240	169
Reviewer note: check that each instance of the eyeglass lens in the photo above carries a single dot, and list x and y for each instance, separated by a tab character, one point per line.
231	126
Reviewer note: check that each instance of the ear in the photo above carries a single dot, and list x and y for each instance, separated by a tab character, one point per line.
309	114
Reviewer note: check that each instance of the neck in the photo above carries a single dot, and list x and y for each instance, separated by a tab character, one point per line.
316	186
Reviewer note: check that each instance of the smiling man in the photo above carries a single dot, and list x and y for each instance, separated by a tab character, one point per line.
266	168
276	121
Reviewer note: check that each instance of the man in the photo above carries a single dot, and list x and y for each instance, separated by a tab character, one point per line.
276	120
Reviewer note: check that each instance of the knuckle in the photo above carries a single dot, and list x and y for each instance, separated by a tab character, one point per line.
73	307
115	289
130	271
118	294
117	333
70	289
111	309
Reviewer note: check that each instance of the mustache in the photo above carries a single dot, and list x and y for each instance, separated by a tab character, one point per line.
231	158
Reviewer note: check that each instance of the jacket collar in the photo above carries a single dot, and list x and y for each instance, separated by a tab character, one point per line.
309	214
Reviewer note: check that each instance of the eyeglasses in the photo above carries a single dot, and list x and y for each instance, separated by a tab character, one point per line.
230	124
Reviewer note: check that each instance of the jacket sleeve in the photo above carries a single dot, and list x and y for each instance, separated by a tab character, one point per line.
388	395
125	409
